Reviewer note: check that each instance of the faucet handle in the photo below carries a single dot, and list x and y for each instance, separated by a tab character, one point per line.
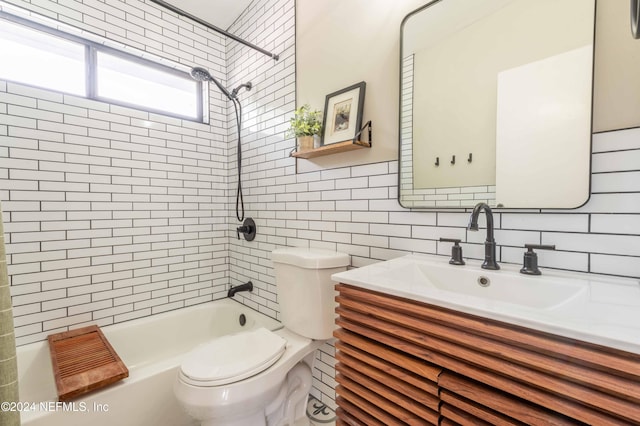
530	261
243	229
456	251
248	229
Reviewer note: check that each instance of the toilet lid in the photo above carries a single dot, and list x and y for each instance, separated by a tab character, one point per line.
233	357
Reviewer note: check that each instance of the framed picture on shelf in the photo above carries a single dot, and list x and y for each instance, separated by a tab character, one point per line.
343	114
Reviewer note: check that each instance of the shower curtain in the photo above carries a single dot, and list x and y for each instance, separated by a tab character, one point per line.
8	362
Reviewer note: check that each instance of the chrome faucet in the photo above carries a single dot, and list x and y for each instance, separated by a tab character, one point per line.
490	242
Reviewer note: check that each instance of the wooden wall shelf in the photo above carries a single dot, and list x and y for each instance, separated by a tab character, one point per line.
334	148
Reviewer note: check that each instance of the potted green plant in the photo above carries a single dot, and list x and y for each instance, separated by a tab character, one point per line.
304	125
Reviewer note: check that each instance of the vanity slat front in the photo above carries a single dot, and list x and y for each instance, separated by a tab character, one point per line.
461	366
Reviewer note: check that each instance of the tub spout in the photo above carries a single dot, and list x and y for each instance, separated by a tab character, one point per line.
248	286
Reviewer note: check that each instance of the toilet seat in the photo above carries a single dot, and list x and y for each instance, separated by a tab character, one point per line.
232	358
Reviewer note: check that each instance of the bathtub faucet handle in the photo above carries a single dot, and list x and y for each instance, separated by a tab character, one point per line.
248	229
242	229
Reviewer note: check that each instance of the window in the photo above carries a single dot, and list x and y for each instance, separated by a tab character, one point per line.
124	80
51	59
40	59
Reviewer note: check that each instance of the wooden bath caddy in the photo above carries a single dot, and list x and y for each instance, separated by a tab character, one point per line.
83	361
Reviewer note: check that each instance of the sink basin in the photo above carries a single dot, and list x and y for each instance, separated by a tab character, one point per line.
434	277
598	309
538	292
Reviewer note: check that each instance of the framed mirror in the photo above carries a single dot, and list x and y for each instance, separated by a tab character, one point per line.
496	104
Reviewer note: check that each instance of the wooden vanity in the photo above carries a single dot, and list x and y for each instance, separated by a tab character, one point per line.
407	362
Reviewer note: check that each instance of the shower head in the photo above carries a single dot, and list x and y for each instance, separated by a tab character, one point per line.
201	74
248	85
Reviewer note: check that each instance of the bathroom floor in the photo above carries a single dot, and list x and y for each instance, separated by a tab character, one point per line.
332	423
319	414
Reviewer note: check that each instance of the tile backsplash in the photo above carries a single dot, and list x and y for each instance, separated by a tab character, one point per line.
112	213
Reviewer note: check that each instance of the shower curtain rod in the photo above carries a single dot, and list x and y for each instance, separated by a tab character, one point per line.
214	28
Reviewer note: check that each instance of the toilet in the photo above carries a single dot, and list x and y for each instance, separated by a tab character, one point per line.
261	377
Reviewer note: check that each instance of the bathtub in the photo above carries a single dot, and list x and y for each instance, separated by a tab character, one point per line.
152	349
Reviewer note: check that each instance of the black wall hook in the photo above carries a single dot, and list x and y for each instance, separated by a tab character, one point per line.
453	159
470	159
437	161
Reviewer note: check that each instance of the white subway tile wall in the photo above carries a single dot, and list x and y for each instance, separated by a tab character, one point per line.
94	242
113	213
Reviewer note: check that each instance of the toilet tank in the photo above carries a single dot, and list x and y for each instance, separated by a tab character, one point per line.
306	293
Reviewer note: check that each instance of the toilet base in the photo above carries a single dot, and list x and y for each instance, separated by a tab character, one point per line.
303	422
291	403
274	397
252	422
256	419
288	408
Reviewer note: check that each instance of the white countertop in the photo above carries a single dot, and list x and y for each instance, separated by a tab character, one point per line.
605	312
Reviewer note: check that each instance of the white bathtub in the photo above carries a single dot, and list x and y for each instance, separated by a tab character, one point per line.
152	349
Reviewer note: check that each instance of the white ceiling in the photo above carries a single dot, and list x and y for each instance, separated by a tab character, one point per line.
221	13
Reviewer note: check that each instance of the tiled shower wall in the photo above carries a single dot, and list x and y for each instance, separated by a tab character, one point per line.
352	209
112	213
355	209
